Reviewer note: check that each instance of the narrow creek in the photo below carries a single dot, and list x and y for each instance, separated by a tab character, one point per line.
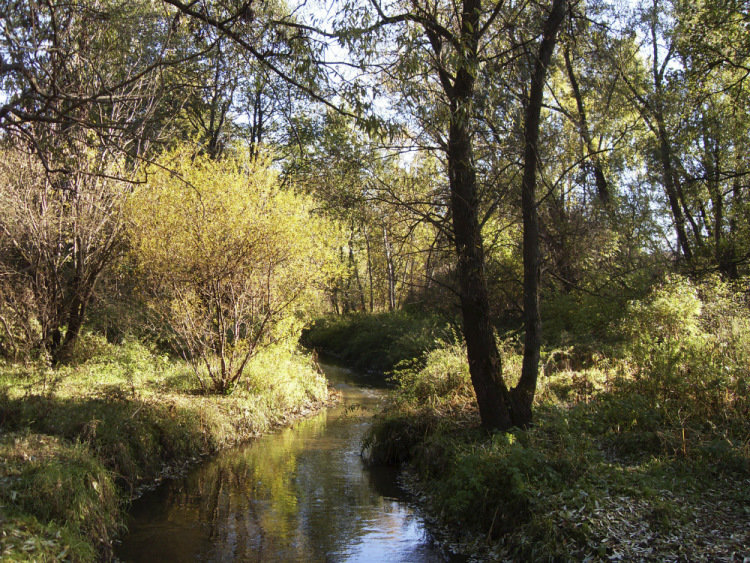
300	494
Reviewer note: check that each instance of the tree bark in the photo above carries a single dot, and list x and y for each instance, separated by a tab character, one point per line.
390	270
484	359
369	270
523	393
670	187
602	188
76	315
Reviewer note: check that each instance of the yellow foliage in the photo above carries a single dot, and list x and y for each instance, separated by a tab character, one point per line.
229	253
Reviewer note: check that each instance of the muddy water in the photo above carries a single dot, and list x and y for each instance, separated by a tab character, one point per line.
301	494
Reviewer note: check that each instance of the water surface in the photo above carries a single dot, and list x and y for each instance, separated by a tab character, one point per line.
301	494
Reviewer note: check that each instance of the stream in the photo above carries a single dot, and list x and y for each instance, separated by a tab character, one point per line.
299	494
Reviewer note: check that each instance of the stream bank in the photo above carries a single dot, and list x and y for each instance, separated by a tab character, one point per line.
78	442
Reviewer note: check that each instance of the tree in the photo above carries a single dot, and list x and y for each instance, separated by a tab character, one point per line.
456	43
523	393
82	65
383	201
81	85
227	257
678	87
57	232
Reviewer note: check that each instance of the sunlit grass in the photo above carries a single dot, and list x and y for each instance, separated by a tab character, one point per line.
113	419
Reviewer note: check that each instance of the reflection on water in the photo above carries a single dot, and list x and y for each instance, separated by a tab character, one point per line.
301	494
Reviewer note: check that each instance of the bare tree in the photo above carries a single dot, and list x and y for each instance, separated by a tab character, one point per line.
58	233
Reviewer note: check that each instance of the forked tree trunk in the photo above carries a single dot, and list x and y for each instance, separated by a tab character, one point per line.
484	360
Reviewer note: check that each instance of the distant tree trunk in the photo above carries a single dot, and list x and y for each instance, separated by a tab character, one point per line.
671	189
429	268
390	270
256	127
369	269
730	268
355	267
523	394
220	103
602	188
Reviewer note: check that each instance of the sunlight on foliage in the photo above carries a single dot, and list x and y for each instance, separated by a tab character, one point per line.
229	257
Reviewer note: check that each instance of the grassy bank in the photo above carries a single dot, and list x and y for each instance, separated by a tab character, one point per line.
640	451
78	441
377	342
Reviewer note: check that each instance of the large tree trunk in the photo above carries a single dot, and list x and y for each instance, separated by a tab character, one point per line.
523	393
484	359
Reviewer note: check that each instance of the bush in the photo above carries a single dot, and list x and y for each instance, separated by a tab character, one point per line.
377	342
480	482
227	257
442	377
687	347
285	378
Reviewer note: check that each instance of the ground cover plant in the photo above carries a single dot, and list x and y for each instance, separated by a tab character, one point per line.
80	440
644	453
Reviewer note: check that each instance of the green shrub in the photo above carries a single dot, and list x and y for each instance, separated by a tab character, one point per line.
687	346
285	377
638	438
443	376
487	483
377	342
391	441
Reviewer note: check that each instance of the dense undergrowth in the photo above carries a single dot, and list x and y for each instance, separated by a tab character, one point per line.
377	342
642	451
78	441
